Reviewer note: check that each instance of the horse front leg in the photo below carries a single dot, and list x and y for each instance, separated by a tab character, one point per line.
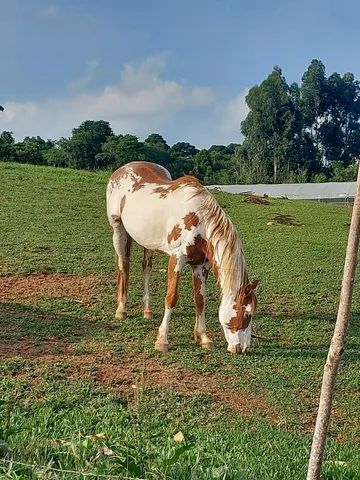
175	266
199	277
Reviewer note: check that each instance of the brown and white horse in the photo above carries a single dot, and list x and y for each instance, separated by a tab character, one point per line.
181	219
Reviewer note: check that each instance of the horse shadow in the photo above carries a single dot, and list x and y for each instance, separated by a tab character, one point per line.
25	327
279	345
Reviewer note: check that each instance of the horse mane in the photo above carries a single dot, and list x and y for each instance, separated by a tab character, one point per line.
232	267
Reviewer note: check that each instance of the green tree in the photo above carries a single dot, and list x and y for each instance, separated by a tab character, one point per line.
342	173
7	147
32	150
86	142
119	150
181	161
340	130
157	150
202	166
271	128
313	96
58	156
155	140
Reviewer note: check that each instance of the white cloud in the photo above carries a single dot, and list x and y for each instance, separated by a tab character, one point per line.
140	103
233	114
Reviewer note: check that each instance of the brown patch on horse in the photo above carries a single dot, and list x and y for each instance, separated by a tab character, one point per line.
199	298
161	190
147	170
122	276
165	188
141	173
172	294
244	297
196	252
200	251
122	203
174	234
138	183
191	220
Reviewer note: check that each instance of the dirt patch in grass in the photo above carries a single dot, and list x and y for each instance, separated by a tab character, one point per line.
288	220
256	199
84	289
104	369
187	382
28	348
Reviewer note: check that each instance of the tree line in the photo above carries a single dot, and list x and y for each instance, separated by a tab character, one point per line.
292	133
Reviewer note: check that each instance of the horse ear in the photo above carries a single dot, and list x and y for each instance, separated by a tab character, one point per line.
254	284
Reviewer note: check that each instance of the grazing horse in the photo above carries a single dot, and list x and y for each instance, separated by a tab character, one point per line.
181	219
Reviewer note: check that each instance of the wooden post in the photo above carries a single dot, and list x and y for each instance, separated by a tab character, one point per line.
337	342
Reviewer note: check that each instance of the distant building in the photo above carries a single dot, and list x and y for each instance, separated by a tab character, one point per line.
341	192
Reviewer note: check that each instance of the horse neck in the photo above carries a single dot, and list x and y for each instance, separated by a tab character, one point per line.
224	247
229	266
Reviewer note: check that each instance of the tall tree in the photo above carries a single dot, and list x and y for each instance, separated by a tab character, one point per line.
340	130
86	142
271	129
313	96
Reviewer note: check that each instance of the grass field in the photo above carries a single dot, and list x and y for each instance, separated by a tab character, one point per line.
81	391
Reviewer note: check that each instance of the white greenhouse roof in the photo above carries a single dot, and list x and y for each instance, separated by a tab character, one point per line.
296	191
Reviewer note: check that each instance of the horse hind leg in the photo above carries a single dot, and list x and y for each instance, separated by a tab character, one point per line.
147	266
122	245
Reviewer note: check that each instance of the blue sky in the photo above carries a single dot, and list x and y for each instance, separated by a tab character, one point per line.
179	68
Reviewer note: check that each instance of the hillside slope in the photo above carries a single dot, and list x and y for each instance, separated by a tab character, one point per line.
75	379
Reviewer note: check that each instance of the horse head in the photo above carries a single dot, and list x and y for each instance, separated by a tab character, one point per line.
236	314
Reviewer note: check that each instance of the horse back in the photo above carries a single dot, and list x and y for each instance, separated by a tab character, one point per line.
150	205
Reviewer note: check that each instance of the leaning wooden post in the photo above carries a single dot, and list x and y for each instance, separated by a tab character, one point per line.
337	342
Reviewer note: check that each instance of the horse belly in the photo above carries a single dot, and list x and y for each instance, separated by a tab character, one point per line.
147	220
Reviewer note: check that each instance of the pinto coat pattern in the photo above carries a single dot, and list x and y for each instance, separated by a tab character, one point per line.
181	219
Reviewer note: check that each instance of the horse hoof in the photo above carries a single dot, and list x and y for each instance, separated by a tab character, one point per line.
120	315
207	345
197	337
162	347
234	348
148	315
204	342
